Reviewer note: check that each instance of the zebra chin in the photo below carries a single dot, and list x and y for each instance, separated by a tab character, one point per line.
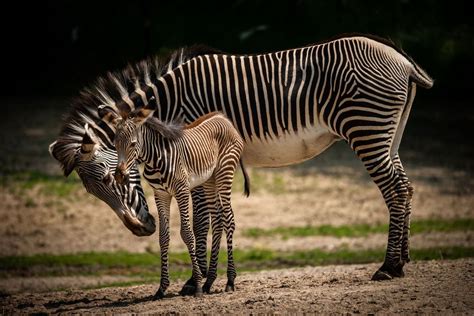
139	227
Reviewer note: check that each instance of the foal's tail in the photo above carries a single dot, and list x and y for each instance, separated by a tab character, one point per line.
246	179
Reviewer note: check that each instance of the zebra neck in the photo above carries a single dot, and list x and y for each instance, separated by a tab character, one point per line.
154	148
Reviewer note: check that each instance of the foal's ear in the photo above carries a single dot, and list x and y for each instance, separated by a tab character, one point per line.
140	116
90	143
108	115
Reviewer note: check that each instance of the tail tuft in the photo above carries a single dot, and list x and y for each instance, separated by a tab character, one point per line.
246	179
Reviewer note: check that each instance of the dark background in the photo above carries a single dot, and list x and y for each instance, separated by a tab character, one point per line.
56	47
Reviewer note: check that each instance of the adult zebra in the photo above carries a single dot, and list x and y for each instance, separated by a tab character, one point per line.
291	105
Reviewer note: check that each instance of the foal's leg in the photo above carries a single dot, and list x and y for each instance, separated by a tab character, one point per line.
182	197
224	178
201	209
163	200
217	227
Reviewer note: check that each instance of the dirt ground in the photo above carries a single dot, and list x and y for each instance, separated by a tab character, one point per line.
433	287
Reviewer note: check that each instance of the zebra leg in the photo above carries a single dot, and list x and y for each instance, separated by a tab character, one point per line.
224	185
163	201
385	175
231	272
406	224
201	209
217	227
182	198
395	193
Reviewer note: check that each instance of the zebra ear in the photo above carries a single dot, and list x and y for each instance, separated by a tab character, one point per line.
108	115
90	143
59	151
142	115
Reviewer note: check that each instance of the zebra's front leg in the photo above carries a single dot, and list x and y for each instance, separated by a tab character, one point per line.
163	201
182	198
201	209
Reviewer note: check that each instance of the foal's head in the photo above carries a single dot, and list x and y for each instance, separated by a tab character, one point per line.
129	138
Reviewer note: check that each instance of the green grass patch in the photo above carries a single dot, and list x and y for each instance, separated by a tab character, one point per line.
146	266
56	185
362	230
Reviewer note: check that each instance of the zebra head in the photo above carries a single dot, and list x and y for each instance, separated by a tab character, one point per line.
93	163
128	139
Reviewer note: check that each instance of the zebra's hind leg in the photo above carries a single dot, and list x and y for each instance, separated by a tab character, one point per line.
406	225
163	201
395	193
201	209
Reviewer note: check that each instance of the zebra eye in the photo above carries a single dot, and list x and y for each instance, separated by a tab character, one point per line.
133	143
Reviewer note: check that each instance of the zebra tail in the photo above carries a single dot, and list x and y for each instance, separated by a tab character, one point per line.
246	179
420	77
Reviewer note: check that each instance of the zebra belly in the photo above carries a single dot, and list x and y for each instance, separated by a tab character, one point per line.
198	179
288	149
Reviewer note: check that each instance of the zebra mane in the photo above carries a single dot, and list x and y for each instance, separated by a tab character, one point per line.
110	90
170	130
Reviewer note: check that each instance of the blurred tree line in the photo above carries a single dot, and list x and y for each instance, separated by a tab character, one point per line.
60	46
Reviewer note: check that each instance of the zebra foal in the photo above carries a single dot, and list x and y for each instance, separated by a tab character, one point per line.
177	159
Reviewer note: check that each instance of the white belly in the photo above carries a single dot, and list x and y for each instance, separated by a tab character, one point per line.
198	179
288	149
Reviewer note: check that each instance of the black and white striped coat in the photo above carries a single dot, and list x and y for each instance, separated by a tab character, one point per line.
176	160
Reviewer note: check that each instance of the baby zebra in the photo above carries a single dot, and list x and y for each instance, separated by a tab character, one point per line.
177	159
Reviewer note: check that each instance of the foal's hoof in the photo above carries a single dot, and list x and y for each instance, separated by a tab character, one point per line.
188	289
206	288
229	288
198	292
159	294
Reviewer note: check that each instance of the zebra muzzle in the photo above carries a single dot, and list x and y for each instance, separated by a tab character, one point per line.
137	227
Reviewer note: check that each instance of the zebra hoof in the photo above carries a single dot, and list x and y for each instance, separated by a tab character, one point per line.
381	276
198	292
387	272
159	294
207	288
188	290
229	288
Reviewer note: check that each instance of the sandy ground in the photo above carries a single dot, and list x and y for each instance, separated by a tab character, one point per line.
435	287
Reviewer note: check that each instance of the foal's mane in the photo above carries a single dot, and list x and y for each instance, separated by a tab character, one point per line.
111	89
170	130
174	129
